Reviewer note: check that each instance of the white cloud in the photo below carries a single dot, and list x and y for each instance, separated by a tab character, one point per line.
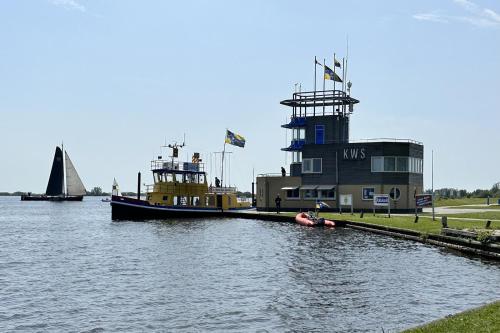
69	4
492	15
478	16
433	17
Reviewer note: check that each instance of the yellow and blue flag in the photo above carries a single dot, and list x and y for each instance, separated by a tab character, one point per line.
235	139
331	75
321	204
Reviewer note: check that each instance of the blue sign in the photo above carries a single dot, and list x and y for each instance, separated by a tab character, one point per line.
381	200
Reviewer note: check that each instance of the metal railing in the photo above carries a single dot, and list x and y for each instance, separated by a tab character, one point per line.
177	166
222	190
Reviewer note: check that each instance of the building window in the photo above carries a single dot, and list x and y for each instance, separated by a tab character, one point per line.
377	164
297	156
367	193
310	194
395	193
397	164
327	194
389	164
312	165
320	134
292	193
402	164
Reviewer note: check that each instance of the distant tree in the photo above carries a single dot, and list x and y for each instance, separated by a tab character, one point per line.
96	191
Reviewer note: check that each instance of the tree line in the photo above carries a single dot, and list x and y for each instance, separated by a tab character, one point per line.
493	192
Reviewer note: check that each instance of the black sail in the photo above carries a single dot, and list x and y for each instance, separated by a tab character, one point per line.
55	185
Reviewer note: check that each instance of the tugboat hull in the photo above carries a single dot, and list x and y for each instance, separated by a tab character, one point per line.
124	208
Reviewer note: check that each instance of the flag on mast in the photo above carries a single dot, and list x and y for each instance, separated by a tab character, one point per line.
336	62
234	139
331	75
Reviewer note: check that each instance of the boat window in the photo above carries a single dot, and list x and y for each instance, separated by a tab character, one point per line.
195	201
165	197
169	177
211	200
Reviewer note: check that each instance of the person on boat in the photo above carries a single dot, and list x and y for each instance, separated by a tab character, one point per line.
277	201
283	172
217	182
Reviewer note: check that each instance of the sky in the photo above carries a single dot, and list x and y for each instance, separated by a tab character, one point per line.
115	80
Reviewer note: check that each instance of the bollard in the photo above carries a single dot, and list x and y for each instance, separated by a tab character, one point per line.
362	214
416	219
444	221
488	224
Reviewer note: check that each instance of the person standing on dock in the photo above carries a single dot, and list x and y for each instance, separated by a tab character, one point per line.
283	172
278	203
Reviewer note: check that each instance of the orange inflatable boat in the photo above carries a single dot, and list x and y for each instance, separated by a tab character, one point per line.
312	221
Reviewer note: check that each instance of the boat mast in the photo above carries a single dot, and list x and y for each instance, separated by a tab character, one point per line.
64	189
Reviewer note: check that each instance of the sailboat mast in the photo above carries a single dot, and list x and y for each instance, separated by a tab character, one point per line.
64	190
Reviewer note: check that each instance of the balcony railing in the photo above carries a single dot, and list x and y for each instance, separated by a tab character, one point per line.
296	145
295	122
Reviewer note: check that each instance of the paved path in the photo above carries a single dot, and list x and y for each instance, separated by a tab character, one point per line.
458	210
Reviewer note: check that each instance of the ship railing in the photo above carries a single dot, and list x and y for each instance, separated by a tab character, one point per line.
222	190
177	166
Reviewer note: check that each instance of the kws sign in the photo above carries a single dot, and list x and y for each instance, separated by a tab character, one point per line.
354	154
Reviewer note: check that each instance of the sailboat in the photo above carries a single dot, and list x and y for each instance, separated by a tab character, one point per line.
64	182
114	191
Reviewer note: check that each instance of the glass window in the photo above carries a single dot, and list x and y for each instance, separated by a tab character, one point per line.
402	164
368	193
311	165
389	164
327	194
377	164
395	193
310	194
320	134
306	165
317	165
294	194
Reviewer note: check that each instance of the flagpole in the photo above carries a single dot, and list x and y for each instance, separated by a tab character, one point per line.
346	57
314	108
334	74
222	167
343	74
324	86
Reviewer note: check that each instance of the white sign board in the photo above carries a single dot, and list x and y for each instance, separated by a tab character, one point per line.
381	200
346	199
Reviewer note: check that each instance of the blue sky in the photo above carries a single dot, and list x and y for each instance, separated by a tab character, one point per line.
115	79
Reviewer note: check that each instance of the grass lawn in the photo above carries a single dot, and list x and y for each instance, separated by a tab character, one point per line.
483	319
424	225
463	201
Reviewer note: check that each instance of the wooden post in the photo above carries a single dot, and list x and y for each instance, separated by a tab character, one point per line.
138	186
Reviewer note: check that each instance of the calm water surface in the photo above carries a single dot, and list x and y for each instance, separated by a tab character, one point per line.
66	267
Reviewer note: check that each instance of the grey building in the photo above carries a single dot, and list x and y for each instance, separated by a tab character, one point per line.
326	164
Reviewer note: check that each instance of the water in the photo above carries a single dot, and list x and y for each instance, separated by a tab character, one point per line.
66	267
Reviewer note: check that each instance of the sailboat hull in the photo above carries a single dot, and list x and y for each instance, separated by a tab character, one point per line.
51	198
